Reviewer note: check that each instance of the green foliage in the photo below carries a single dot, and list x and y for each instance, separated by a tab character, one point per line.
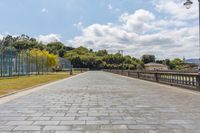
177	64
102	53
82	57
148	58
24	44
58	48
85	58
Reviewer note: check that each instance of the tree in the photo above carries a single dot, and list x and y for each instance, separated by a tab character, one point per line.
25	44
58	48
61	52
160	61
43	54
167	62
54	47
177	64
79	57
81	50
102	53
8	41
148	58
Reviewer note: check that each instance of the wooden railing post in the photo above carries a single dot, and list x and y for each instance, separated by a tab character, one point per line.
156	77
138	74
198	81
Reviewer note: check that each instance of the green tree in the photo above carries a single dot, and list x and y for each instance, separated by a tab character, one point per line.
102	53
8	41
148	58
177	64
25	44
58	48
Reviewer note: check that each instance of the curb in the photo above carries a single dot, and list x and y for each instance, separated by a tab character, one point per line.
17	94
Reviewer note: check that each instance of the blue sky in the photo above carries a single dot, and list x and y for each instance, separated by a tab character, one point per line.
139	27
37	17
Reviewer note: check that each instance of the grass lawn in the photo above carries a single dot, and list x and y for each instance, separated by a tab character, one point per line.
9	85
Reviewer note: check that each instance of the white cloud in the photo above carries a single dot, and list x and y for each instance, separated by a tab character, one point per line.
48	38
142	33
79	25
139	22
44	10
176	9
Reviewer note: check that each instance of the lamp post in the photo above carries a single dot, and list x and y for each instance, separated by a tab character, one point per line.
122	53
188	5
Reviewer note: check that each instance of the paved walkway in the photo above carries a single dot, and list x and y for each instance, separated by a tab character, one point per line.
98	102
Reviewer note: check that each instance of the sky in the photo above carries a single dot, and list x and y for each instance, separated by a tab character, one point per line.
164	28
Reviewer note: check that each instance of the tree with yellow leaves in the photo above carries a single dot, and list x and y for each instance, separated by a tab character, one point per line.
42	56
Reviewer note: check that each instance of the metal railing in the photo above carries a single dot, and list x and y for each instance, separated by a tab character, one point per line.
15	63
186	80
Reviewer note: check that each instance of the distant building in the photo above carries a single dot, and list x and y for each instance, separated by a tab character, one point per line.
155	66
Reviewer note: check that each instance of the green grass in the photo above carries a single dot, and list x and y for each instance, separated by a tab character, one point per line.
9	85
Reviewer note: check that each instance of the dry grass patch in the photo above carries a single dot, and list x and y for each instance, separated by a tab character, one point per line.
9	85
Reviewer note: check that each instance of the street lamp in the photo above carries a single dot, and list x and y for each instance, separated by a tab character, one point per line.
188	5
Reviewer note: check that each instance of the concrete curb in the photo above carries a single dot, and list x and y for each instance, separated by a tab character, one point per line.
17	94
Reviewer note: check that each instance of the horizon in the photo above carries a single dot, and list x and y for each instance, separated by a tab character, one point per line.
163	28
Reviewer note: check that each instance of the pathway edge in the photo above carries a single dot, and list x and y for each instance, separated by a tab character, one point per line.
24	92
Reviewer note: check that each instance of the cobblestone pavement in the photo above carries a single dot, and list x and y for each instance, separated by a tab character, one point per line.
98	102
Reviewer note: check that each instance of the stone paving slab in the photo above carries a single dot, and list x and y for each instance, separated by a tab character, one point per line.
99	102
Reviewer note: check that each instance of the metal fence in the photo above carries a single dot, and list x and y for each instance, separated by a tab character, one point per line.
186	80
19	63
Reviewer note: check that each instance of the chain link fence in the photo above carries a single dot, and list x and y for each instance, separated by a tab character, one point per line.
21	63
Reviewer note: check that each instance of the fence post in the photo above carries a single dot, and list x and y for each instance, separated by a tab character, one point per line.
37	67
9	65
22	63
156	77
198	81
71	71
138	74
29	62
2	64
19	64
47	65
42	65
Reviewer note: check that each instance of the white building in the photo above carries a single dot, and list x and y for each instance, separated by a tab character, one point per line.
155	66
